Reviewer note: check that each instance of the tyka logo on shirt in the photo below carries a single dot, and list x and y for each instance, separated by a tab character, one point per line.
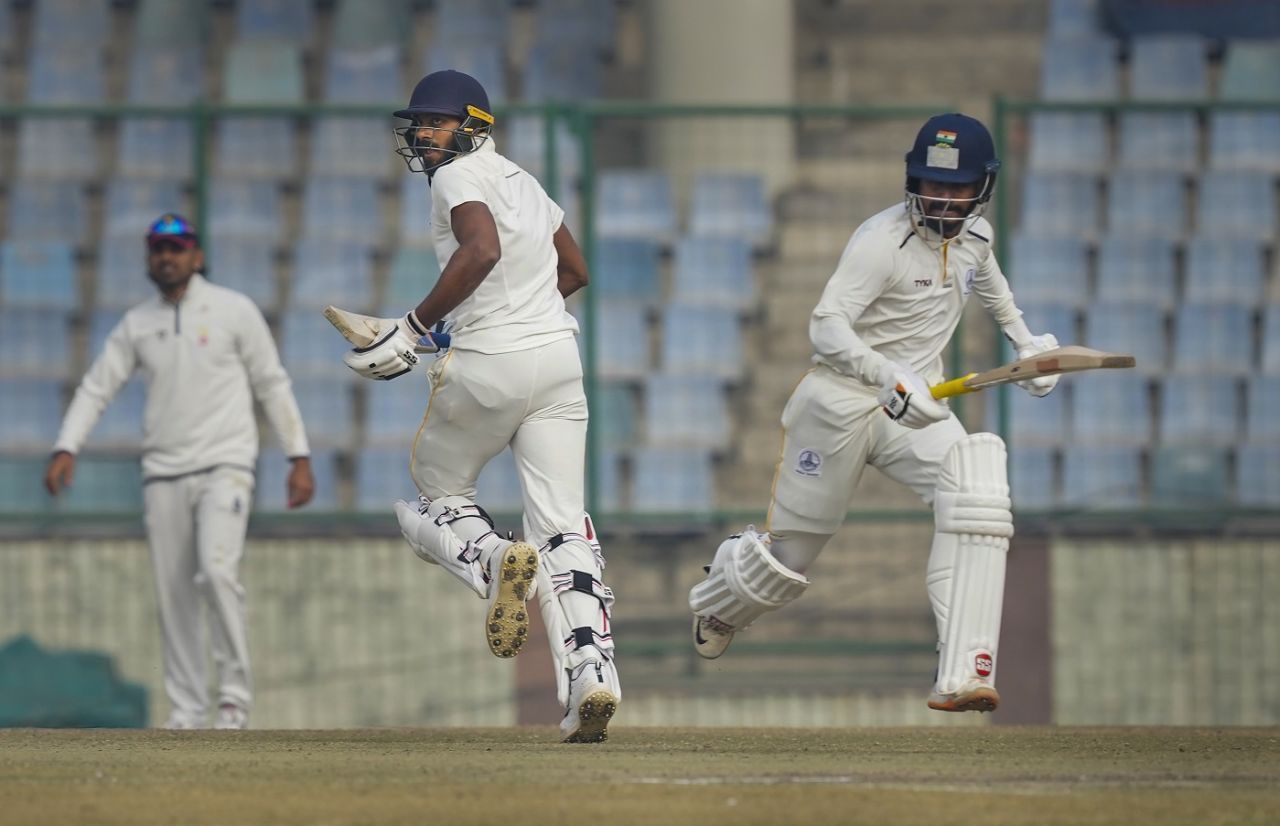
924	282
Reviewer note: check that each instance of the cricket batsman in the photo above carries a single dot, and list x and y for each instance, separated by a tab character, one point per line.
878	334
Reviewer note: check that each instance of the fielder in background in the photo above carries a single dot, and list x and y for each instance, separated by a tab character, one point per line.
205	352
512	376
878	334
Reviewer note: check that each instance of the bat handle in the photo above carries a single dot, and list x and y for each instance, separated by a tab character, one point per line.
442	341
954	387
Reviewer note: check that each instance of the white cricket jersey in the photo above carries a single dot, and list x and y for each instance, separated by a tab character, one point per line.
895	298
204	360
518	305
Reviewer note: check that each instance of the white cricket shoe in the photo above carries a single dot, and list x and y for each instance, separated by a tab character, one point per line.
512	582
974	695
593	700
231	717
711	637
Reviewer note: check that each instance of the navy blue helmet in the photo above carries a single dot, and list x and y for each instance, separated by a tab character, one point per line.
951	149
449	93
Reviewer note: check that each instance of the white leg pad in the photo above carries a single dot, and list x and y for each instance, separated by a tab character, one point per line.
454	533
745	582
967	565
576	607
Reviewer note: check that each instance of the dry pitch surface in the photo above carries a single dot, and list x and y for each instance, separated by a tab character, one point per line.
740	776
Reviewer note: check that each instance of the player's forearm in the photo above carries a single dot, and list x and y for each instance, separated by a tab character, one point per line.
282	413
81	416
465	272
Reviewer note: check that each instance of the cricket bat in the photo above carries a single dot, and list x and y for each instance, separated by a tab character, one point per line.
1069	359
362	330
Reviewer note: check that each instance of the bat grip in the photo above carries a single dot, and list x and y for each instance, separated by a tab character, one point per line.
442	341
954	387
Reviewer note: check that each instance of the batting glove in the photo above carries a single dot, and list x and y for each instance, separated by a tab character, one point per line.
1041	385
906	399
393	354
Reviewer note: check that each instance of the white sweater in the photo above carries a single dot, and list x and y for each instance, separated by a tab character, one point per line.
204	359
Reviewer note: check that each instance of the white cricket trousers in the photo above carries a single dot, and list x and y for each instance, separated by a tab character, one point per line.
834	427
530	399
196	527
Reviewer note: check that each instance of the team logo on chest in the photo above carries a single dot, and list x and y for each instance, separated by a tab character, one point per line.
970	276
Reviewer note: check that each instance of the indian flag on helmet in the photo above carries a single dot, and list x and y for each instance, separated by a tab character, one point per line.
945	137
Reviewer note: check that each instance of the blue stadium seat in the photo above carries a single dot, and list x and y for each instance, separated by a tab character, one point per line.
1048	270
101	323
609	481
413	273
1262	425
482	59
342	208
382	477
1080	68
1236	205
30	414
498	488
263	71
365	24
1035	422
309	346
170	24
1136	271
1068	142
353	146
1137	329
472	21
626	269
1251	71
713	272
165	74
686	411
256	148
38	275
1189	476
1168	67
130	206
275	20
415	212
331	271
1049	318
57	149
1074	17
622	341
635	204
1199	410
327	411
1147	203
155	148
1111	409
120	427
524	141
1244	141
554	73
47	211
1224	271
1102	478
1059	204
582	25
273	470
672	480
104	484
66	75
1213	338
1032	478
122	272
1258	476
394	411
363	75
1167	141
702	341
35	343
246	265
1271	340
21	491
730	204
615	413
245	209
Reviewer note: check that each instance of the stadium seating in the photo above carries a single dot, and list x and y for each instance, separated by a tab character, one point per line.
728	204
1189	476
635	204
1244	141
131	205
713	272
615	413
1067	142
1223	271
1213	338
332	271
554	73
172	24
394	411
155	148
251	147
263	71
1236	205
64	75
1200	410
357	147
1073	18
582	25
310	347
1036	422
363	75
30	413
1147	204
275	20
1168	67
38	275
627	269
365	24
1080	68
342	209
686	411
122	272
1101	478
1111	409
1271	340
1032	478
701	341
677	480
35	343
245	209
498	488
1059	204
1048	270
1136	271
622	341
413	273
166	74
415	212
1137	329
246	265
382	477
120	426
483	60
1168	141
1262	425
1251	71
1258	476
57	149
327	410
48	211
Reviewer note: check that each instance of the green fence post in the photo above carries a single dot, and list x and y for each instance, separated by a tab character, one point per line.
584	128
200	123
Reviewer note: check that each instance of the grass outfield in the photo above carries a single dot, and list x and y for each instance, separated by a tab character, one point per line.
796	777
